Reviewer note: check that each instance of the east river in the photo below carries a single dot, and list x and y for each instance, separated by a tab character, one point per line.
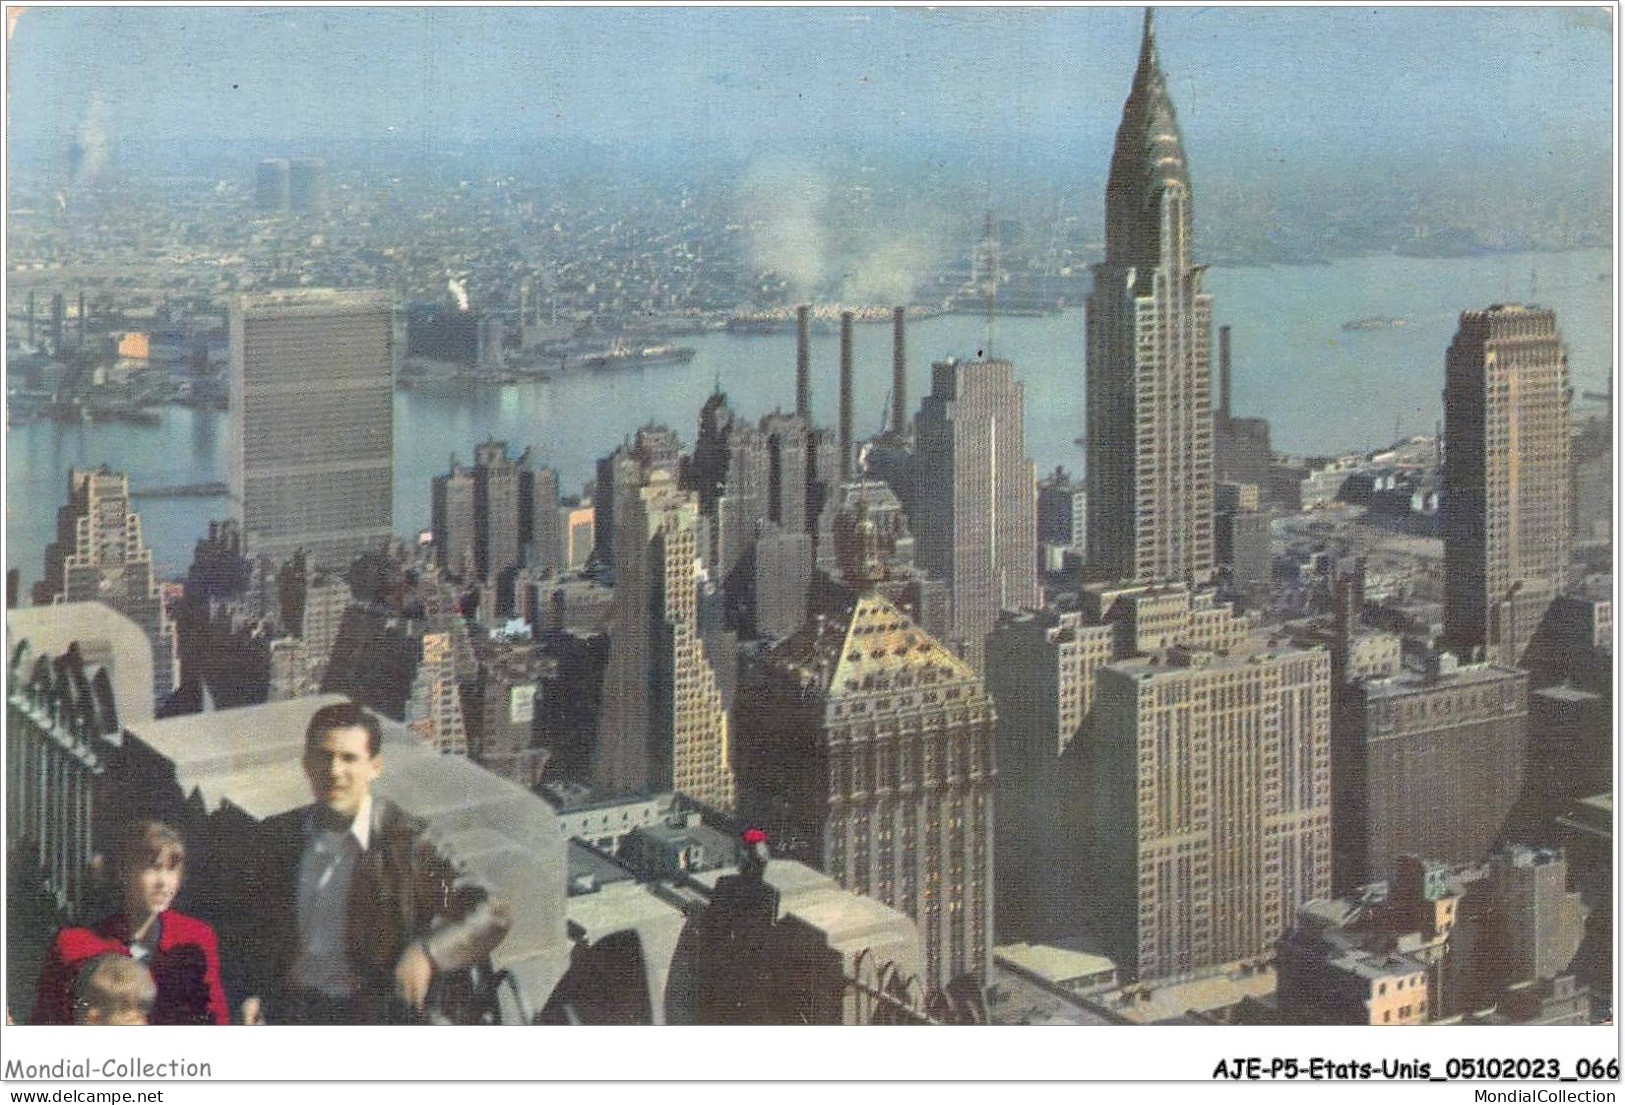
1323	389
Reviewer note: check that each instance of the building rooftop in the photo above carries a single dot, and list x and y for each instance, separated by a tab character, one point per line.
1173	1002
1463	675
590	869
1375	966
1014	998
869	646
1592	816
1180	659
1052	964
850	922
106	638
317	299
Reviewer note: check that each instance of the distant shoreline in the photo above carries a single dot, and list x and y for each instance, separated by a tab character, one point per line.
1242	261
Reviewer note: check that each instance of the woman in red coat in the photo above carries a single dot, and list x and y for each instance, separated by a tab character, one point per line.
180	951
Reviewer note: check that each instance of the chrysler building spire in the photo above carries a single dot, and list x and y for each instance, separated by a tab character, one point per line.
1147	162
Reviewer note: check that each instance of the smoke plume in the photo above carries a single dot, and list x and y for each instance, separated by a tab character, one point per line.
784	210
892	270
459	292
87	156
801	226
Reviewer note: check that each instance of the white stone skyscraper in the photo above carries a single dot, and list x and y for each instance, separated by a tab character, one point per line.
1506	501
1209	804
99	556
975	495
311	434
1148	391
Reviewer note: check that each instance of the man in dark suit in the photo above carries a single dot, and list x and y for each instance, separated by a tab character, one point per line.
351	914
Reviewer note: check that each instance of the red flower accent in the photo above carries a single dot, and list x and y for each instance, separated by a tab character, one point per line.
755	836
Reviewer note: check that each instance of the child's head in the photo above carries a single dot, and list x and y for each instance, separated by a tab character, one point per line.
151	860
113	989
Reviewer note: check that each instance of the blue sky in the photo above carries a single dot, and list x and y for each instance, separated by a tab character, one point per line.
1260	83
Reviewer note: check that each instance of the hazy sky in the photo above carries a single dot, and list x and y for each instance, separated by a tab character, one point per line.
1259	83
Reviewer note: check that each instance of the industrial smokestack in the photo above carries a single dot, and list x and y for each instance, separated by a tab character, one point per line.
899	373
803	367
59	312
1224	375
844	433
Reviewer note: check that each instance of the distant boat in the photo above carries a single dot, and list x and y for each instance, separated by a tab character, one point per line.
622	355
1375	323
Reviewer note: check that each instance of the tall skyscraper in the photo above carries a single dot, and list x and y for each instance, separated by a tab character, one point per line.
1149	431
1042	671
976	495
1242	544
311	436
1041	667
540	523
576	532
1506	489
307	185
663	725
787	470
490	518
1063	507
99	556
860	511
731	472
866	750
497	540
1209	824
620	475
406	669
271	184
499	708
451	520
783	581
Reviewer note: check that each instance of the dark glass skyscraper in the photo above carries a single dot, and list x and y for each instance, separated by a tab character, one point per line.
1149	429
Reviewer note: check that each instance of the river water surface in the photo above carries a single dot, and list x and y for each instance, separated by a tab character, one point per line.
1322	388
